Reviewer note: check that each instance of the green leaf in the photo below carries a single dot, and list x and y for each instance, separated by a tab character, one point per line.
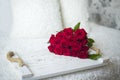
94	56
77	26
90	42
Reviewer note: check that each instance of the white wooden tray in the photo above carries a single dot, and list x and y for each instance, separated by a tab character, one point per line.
44	64
58	65
60	68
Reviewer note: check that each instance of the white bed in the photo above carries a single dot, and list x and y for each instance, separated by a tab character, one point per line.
106	39
16	37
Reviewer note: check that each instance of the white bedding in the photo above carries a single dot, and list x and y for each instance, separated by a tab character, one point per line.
74	11
29	18
106	39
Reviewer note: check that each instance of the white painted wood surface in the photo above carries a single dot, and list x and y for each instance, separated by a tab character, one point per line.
65	66
22	68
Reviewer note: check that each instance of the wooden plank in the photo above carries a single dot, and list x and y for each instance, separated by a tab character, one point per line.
19	65
50	70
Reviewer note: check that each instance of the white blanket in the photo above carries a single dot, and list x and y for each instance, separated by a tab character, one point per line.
106	39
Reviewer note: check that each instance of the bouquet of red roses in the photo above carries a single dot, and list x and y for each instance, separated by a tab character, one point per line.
72	42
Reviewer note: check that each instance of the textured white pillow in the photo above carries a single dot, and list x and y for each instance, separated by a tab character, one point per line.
74	11
35	18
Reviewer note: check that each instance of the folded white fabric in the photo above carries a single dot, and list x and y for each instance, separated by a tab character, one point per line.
35	18
74	11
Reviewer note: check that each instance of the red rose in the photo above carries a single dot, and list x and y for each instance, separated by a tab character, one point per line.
83	55
85	48
58	50
80	34
66	52
51	48
84	42
64	43
74	53
70	43
76	47
57	40
68	31
52	39
60	35
71	38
